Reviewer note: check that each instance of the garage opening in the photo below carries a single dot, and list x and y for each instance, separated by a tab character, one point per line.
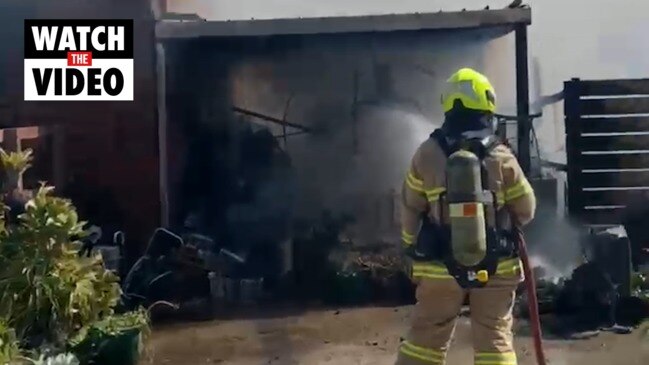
291	149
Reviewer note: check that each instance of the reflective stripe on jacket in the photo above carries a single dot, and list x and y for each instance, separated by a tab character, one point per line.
437	270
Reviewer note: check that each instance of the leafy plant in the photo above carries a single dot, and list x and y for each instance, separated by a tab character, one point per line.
51	298
117	339
115	325
18	161
48	291
9	351
13	165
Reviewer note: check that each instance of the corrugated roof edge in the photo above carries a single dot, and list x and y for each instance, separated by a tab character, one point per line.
170	29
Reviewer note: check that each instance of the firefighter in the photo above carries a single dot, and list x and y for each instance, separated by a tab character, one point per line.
461	241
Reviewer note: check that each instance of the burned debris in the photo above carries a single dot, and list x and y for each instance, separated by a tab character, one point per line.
602	294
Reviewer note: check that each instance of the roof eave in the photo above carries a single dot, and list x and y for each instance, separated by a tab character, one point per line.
171	29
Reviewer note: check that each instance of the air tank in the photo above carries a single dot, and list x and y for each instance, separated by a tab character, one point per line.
466	212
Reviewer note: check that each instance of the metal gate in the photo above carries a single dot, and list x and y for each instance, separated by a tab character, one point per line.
607	145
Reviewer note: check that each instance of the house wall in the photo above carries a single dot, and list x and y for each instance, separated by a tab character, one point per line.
108	145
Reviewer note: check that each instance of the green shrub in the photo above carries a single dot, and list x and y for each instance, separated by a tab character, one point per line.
16	162
9	351
48	291
48	294
117	339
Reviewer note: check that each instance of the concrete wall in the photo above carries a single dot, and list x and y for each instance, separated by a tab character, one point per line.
111	145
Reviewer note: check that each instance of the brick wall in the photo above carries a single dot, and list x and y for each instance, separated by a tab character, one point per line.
113	145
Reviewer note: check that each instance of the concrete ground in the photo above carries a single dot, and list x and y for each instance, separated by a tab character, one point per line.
357	337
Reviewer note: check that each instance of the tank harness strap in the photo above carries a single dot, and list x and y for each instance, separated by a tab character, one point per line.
464	275
482	151
487	145
440	137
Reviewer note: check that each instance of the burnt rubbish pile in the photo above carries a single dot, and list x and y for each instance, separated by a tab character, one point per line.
250	211
606	292
331	268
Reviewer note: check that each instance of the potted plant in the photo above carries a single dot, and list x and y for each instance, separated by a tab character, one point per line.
115	340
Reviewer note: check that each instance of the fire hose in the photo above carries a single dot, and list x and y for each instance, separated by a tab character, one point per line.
532	300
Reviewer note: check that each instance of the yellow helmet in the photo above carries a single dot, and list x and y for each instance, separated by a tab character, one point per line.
472	89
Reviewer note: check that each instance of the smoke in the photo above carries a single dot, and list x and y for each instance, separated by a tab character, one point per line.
369	100
360	178
355	169
554	245
596	52
589	51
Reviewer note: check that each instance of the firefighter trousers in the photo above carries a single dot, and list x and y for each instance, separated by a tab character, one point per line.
439	301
